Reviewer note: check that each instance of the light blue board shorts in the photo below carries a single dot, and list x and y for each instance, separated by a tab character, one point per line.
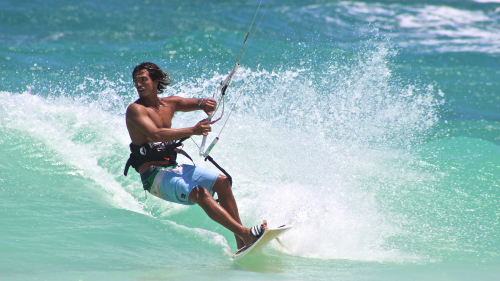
175	184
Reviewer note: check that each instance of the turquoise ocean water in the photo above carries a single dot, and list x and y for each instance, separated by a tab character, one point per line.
371	126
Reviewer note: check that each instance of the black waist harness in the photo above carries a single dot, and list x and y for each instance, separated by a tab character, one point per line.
154	151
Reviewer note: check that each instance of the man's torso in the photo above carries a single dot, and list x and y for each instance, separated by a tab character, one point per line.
162	117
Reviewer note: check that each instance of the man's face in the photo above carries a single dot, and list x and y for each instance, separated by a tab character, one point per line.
144	84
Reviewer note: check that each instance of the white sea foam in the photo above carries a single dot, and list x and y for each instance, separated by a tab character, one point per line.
312	149
444	28
452	29
63	125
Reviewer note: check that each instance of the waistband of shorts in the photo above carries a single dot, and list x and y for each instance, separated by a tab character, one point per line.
149	176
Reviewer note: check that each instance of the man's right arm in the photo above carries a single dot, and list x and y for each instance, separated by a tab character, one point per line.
138	119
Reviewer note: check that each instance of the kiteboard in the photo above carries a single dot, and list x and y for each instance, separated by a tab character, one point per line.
267	237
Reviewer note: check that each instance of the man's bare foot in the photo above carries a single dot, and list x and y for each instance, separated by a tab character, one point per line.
249	238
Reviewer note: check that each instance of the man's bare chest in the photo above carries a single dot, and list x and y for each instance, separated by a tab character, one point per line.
162	117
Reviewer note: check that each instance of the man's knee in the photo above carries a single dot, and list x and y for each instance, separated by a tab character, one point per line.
222	184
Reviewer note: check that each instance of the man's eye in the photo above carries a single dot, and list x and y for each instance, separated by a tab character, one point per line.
140	79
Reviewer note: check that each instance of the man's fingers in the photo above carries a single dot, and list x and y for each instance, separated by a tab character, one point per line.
203	127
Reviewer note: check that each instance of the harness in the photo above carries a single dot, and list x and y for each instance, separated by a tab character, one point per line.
155	151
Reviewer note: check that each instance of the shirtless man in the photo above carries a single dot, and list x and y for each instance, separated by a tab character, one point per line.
149	121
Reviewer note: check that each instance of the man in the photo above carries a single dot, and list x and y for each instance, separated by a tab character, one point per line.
149	121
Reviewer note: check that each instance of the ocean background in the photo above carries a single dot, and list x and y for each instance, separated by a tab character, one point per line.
371	126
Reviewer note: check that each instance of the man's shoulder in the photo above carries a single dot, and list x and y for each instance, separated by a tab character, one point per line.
171	99
135	107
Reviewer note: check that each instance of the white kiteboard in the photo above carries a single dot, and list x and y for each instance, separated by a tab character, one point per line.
267	237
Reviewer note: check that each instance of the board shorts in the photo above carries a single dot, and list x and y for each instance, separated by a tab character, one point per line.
174	184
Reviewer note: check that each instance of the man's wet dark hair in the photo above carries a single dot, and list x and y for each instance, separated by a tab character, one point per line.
155	73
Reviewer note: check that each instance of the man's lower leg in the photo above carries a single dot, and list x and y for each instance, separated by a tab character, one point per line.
226	199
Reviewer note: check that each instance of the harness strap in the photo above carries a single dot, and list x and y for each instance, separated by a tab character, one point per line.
127	166
209	158
180	151
130	161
